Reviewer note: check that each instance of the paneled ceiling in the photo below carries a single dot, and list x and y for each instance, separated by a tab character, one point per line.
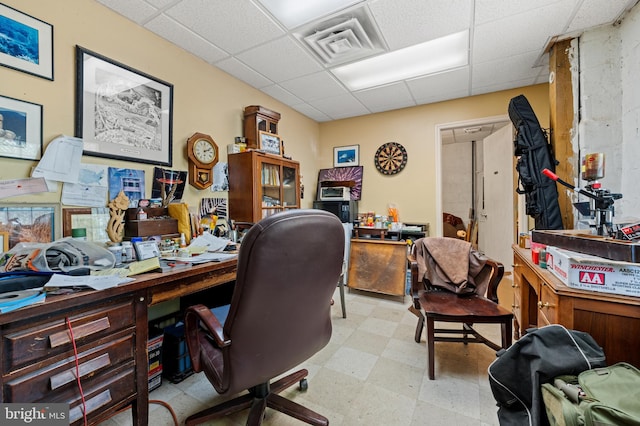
508	40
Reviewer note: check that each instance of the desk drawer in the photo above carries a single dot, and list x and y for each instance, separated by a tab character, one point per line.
92	359
103	394
547	306
50	337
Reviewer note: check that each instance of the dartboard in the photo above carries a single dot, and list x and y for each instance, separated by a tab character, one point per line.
390	158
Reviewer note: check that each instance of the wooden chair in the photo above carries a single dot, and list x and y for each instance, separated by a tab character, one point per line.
444	306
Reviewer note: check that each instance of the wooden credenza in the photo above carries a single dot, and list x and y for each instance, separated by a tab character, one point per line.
541	299
378	265
110	331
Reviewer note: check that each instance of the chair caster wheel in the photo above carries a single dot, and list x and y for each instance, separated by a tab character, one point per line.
304	385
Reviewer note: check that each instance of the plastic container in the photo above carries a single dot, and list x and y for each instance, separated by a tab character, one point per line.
79	234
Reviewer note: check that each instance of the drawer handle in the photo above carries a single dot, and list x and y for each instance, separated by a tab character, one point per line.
84	330
543	305
514	285
85	368
103	398
514	306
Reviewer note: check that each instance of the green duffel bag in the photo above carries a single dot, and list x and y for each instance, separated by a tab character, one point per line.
607	396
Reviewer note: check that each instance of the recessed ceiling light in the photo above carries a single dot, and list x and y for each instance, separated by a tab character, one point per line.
434	56
292	13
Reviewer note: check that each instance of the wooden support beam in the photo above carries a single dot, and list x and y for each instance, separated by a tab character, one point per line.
561	120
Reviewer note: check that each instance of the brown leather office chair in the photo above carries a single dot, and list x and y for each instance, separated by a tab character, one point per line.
280	315
433	303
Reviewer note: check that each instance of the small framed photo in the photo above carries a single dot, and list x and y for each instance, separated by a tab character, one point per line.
346	156
20	129
270	143
27	43
122	113
147	249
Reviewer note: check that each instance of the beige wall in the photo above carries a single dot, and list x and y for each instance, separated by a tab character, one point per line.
209	101
413	190
206	99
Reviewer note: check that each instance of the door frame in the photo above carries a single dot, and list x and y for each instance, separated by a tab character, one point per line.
438	152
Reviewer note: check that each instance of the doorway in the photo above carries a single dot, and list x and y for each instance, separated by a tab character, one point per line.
476	181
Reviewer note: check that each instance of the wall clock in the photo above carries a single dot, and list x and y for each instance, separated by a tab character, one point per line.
390	158
202	153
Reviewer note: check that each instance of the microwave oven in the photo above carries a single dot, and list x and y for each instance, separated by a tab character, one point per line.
331	193
347	211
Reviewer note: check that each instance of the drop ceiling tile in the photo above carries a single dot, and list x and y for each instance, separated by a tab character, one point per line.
513	68
439	85
233	26
496	10
340	106
384	98
136	10
241	71
279	93
314	86
161	4
280	60
407	22
311	112
518	33
593	12
183	37
500	85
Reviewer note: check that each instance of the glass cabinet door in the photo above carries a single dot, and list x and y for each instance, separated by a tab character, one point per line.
271	197
289	186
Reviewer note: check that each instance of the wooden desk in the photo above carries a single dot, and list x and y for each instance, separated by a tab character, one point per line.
111	332
540	299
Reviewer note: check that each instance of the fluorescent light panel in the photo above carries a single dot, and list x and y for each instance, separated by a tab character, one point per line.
292	13
431	57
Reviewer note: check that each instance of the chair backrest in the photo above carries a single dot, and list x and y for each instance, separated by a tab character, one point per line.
486	280
288	269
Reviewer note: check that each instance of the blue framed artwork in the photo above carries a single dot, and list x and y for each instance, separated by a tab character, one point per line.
346	156
27	43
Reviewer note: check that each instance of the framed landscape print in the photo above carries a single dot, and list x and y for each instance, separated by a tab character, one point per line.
122	113
25	222
27	43
20	129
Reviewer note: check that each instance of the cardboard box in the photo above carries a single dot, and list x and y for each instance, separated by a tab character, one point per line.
594	273
154	351
155	381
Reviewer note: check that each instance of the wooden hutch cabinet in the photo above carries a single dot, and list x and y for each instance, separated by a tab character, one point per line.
261	185
259	119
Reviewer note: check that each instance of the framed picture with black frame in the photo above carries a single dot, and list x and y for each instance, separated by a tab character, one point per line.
20	129
27	43
122	113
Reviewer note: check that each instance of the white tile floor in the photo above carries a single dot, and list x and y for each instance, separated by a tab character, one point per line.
371	373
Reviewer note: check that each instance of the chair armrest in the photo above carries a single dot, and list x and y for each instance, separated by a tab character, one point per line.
201	315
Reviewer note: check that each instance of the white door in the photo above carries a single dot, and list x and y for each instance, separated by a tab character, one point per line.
496	217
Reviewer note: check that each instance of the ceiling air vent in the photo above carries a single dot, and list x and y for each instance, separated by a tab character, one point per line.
343	38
